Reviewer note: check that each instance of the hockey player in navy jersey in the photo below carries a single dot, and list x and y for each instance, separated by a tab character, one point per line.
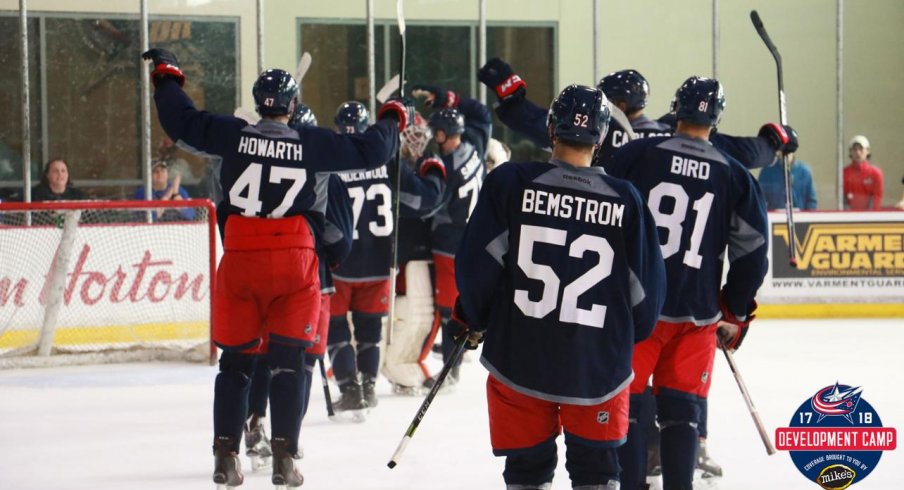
703	201
559	270
628	90
271	205
461	130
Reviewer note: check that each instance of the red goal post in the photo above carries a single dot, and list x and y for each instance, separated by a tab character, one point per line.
86	282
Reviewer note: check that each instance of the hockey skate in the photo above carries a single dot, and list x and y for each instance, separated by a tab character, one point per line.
227	469
448	384
654	468
351	405
257	445
403	390
367	387
708	472
285	475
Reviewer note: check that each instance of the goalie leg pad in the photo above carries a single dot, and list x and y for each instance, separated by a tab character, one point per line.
414	319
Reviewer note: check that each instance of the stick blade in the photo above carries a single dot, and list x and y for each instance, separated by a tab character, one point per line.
386	91
248	116
304	63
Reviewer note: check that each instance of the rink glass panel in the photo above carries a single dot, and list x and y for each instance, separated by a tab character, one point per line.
442	55
90	115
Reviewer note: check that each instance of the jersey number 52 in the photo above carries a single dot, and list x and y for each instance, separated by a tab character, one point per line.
595	316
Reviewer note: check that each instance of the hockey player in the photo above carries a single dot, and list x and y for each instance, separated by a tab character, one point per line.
560	271
702	200
362	280
270	205
628	90
461	129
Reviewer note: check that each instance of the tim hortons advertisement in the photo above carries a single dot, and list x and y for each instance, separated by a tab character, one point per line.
841	257
117	276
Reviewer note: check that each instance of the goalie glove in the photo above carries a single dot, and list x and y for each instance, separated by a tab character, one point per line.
436	97
498	75
732	329
165	66
473	338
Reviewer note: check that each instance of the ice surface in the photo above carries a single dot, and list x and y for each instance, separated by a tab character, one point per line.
148	426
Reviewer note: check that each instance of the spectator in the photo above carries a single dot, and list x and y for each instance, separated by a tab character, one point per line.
803	192
56	184
862	181
163	190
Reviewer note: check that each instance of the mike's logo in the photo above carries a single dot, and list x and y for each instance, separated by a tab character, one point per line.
840	249
836	437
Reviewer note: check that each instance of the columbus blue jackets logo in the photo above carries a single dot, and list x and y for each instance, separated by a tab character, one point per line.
838	400
836	438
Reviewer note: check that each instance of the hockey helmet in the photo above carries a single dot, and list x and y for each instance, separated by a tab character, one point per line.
579	114
699	101
274	93
626	86
302	117
352	117
450	121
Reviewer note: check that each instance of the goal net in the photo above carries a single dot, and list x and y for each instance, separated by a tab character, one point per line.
106	281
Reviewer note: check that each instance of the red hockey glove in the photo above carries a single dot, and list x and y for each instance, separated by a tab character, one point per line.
473	338
400	109
165	66
436	97
498	75
428	163
732	330
782	138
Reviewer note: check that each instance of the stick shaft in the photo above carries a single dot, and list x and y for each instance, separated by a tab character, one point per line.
326	389
396	202
767	441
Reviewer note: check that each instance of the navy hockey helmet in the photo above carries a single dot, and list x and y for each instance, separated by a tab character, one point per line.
302	117
626	86
274	93
450	121
579	114
352	117
699	101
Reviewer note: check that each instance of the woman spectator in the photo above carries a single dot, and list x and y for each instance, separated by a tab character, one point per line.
56	184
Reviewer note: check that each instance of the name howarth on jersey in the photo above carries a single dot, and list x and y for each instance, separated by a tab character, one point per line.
574	207
377	173
261	147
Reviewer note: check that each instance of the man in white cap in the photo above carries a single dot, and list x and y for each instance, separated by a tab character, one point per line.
862	181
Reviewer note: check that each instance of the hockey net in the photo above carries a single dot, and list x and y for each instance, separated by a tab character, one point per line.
106	281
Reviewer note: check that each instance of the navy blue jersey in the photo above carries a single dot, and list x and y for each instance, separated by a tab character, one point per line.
420	195
270	170
561	267
751	151
336	239
371	196
702	200
465	170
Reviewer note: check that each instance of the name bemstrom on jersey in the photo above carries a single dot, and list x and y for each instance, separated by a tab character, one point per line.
261	147
568	206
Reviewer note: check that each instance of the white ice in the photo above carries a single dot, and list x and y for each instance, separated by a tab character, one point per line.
148	426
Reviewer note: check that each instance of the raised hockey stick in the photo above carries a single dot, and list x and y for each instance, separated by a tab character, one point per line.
326	390
391	86
394	249
422	411
788	159
770	449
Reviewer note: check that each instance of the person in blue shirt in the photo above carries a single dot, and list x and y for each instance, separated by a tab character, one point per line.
803	192
164	190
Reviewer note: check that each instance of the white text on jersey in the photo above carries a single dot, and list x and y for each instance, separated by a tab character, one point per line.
377	173
690	168
620	138
261	147
568	206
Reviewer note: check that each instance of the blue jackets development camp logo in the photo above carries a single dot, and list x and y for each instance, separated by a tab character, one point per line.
836	437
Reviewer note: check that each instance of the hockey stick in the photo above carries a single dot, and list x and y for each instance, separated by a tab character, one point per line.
394	249
788	159
621	119
326	390
770	449
391	86
456	355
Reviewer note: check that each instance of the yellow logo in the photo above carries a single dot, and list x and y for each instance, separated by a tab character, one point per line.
846	249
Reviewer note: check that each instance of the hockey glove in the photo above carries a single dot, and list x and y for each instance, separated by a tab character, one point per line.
473	338
430	162
498	75
732	330
782	138
165	66
400	109
436	97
